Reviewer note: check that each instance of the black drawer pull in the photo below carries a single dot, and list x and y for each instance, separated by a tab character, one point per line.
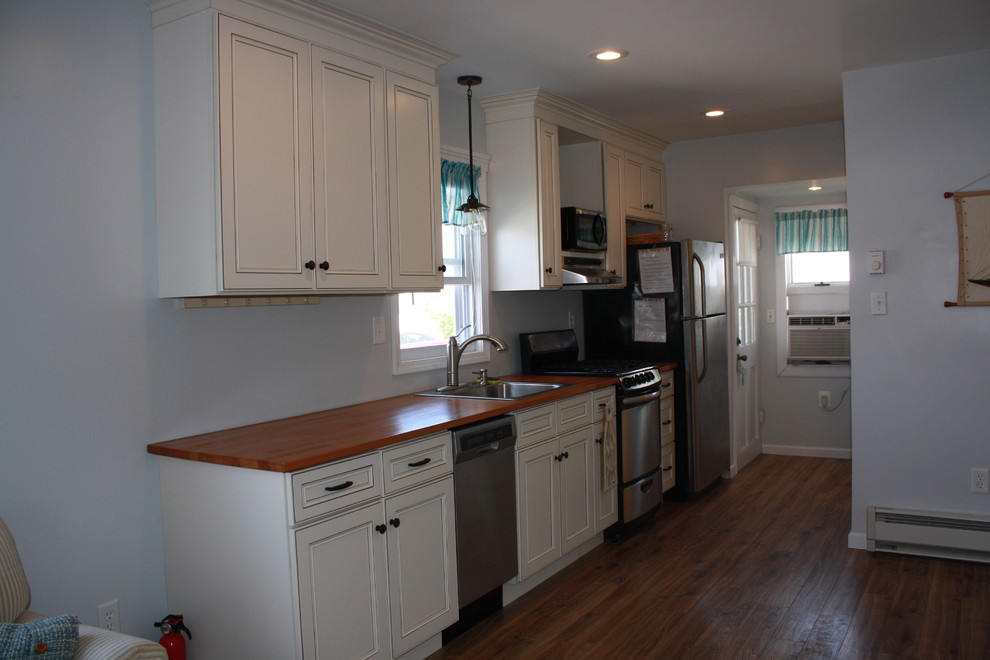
346	484
420	463
668	469
668	422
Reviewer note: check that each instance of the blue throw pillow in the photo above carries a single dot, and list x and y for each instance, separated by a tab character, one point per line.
53	638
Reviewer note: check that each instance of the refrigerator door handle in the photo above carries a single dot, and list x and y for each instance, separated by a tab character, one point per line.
700	283
700	350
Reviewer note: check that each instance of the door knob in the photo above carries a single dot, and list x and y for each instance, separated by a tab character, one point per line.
742	358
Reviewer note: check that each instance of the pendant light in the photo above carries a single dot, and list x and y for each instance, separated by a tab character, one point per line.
472	205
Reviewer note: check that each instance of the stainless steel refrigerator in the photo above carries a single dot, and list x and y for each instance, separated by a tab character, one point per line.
673	309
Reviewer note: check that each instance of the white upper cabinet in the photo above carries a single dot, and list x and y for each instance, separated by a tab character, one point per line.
414	184
533	137
266	158
297	150
350	193
644	189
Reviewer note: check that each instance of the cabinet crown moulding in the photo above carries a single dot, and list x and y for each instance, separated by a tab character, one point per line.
316	14
546	105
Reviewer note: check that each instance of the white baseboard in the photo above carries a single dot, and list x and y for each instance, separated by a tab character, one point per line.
797	450
856	541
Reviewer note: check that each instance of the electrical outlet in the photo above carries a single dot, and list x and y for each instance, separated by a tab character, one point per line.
570	320
824	399
979	480
108	616
378	329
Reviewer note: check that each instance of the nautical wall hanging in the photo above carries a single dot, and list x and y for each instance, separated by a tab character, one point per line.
973	222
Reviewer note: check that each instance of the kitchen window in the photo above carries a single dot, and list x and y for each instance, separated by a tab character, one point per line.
422	322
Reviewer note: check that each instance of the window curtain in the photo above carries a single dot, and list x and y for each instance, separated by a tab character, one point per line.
823	230
455	184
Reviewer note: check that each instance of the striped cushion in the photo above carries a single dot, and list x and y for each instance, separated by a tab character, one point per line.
15	594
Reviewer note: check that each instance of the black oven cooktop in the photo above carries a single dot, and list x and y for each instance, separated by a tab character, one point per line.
555	352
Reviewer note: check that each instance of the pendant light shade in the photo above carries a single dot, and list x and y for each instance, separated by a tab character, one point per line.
473	204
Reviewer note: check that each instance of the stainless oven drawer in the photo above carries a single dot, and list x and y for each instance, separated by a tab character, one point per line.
640	497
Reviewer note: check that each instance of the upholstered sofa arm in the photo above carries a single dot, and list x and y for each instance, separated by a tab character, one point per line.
99	644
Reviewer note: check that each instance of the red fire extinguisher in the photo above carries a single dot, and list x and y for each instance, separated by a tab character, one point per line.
171	639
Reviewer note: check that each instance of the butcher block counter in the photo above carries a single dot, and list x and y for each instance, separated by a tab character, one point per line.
296	443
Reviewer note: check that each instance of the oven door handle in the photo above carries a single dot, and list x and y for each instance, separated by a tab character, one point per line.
630	401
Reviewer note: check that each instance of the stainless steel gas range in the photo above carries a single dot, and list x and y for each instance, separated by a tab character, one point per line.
638	401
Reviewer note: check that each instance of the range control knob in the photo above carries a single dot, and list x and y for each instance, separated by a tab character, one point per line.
627	382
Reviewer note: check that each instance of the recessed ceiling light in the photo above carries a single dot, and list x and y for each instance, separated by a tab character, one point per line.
714	113
608	54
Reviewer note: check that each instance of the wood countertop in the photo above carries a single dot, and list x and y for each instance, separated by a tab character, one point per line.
295	443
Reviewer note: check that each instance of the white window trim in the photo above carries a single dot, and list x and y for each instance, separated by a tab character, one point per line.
784	369
429	359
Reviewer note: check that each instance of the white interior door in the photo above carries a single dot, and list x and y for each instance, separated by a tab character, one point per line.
744	247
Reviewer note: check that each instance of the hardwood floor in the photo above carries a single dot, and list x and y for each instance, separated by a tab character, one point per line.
757	568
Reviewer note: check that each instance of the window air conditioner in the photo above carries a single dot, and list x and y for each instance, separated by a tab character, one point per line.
818	338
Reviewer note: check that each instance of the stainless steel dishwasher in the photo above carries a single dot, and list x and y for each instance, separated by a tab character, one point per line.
485	507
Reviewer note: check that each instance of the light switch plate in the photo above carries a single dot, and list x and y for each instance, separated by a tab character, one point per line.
875	262
878	302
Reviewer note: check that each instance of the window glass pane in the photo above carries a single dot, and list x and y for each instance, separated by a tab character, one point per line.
814	267
427	319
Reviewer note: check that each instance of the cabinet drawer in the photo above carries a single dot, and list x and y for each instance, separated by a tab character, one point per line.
666	420
535	424
669	474
416	462
337	485
575	412
666	384
600	398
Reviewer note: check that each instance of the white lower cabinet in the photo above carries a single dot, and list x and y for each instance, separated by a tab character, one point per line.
380	578
558	495
340	561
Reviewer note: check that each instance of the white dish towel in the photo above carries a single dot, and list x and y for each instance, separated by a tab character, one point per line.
609	475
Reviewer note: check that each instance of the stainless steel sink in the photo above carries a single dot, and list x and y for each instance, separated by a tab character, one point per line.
501	390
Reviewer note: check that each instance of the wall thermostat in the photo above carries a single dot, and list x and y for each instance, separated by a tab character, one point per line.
875	264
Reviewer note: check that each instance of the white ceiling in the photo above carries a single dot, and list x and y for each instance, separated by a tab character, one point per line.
771	63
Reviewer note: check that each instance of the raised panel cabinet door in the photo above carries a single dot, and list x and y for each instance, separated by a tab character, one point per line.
343	587
653	197
615	210
548	169
413	183
577	505
635	168
422	563
266	158
538	509
350	175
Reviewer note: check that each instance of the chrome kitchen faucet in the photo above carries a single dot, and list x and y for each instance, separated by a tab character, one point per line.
454	351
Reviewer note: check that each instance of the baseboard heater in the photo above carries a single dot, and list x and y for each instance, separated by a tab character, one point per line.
928	533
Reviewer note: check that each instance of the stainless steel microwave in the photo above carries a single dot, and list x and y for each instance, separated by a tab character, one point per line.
582	230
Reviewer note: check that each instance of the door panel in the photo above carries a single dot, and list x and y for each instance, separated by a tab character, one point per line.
745	404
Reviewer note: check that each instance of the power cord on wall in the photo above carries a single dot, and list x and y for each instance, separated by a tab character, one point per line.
841	399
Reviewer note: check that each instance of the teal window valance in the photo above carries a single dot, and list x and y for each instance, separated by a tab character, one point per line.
455	184
821	230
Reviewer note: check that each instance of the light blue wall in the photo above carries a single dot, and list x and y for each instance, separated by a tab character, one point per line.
919	374
93	367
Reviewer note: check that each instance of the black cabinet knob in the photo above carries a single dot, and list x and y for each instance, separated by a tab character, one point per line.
394	522
442	268
325	265
380	529
549	269
311	265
